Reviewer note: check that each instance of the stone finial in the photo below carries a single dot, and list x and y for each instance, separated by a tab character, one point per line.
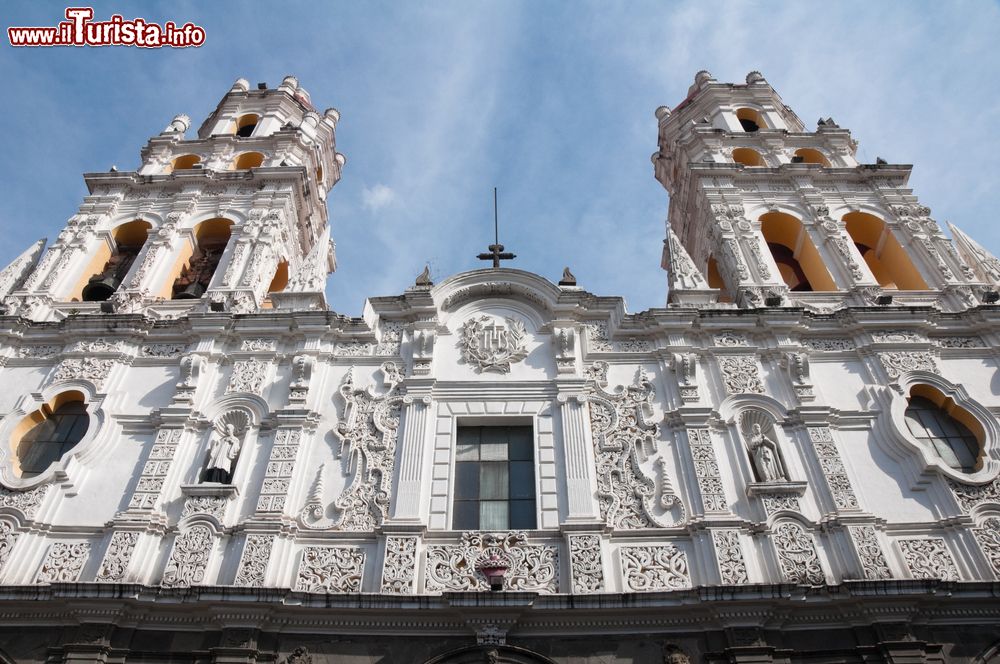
568	278
332	114
703	77
424	278
240	85
755	77
662	113
340	159
180	124
289	82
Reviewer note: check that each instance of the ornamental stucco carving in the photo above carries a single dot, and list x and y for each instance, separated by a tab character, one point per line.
253	562
897	363
26	502
653	568
706	469
399	569
928	558
331	569
17	272
797	554
987	535
586	568
163	350
114	567
155	470
248	376
741	374
530	567
829	344
63	562
971	495
729	553
869	550
214	506
189	557
622	433
489	345
278	474
87	368
8	538
777	502
833	468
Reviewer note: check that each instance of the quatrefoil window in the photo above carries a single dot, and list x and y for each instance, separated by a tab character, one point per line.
44	436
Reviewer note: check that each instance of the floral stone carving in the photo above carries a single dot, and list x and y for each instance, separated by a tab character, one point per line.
988	536
26	502
253	563
189	557
897	363
929	559
797	554
400	567
88	368
732	566
115	564
8	538
586	569
621	433
248	376
529	566
63	562
652	568
489	345
331	569
872	559
741	374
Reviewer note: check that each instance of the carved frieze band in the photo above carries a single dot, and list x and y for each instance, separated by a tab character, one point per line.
114	567
63	562
706	468
331	569
150	483
928	558
833	468
729	553
586	568
399	569
278	475
869	550
897	363
253	562
531	567
654	568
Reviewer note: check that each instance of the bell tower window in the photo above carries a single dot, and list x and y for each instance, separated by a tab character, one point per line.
248	160
750	119
946	428
246	124
797	258
494	478
810	156
748	157
197	269
888	261
185	162
108	267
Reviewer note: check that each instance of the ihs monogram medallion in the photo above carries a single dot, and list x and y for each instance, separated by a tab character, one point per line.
490	345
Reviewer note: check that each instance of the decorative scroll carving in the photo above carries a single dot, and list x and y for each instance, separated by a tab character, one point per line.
896	337
211	505
114	567
730	339
829	344
96	346
147	489
302	368
531	567
844	249
758	257
369	429
741	374
63	562
253	562
685	365
833	468
87	368
599	342
621	433
776	502
390	339
970	495
163	350
683	273
959	342
928	559
872	559
706	469
17	272
26	502
896	363
261	345
331	569
564	342
797	554
8	538
278	474
732	566
189	557
40	351
489	345
988	536
248	376
652	568
586	569
399	571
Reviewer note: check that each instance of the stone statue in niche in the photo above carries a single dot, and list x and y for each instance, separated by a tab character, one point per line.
766	459
222	454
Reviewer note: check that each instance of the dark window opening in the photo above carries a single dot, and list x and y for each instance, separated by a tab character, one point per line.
494	478
790	269
246	130
749	125
102	285
51	438
197	275
950	439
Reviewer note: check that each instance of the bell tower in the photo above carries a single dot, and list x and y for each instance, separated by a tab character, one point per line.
764	212
231	219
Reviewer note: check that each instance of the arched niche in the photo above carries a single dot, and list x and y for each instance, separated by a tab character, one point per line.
245	125
748	157
757	428
750	119
810	156
198	259
888	261
799	262
183	163
248	160
111	261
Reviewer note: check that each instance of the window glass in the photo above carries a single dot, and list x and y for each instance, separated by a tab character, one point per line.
950	439
494	478
50	439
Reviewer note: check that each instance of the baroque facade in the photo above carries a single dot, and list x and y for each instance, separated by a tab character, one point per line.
795	459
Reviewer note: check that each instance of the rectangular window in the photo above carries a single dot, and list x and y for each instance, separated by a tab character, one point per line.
494	478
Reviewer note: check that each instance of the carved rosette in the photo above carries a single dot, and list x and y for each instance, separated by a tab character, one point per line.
621	433
729	553
530	567
741	374
248	376
114	567
63	562
797	554
870	552
833	468
586	568
988	536
706	468
368	432
488	345
189	557
331	569
253	562
654	568
928	558
400	567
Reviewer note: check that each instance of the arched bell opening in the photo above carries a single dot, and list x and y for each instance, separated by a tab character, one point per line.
110	263
278	283
183	163
810	156
246	124
748	157
715	279
888	261
48	433
750	119
798	261
248	160
196	268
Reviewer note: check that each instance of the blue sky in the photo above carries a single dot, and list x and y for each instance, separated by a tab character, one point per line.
552	102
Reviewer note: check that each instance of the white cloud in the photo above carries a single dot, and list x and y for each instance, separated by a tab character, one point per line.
377	197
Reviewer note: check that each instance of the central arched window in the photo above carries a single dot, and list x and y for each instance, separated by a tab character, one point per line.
750	119
885	256
105	279
798	261
246	124
198	266
945	428
56	431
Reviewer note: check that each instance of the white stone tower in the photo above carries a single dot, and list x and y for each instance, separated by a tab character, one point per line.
765	213
233	219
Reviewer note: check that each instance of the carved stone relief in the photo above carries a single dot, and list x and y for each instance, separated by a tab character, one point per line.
147	489
586	568
26	502
732	566
741	374
897	363
833	468
530	567
706	468
248	376
488	345
870	551
8	538
331	569
988	536
971	495
776	502
928	558
63	562
253	562
94	370
797	554
189	557
277	476
214	506
399	570
114	567
654	568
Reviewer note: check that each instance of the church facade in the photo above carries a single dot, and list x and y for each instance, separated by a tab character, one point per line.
794	460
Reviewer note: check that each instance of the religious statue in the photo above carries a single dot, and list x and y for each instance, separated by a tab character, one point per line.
766	460
222	454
